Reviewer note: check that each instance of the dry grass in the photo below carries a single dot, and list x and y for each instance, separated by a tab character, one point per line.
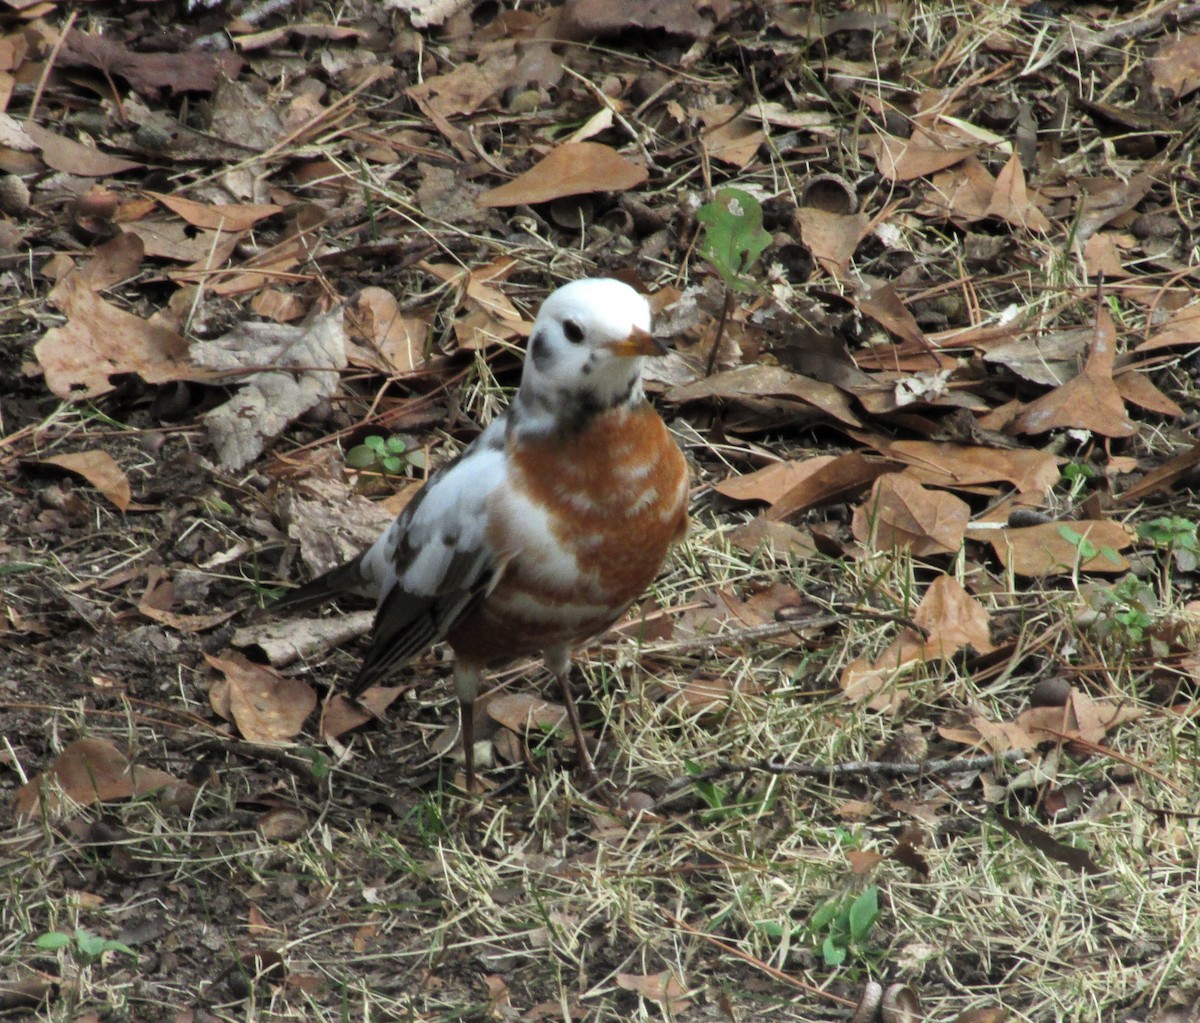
398	899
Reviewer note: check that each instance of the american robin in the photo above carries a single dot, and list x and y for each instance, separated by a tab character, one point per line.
547	527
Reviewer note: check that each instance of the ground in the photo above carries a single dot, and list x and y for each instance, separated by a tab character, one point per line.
912	707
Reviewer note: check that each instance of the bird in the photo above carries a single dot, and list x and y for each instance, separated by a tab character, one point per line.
546	528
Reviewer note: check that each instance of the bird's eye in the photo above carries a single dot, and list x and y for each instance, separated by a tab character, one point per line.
572	331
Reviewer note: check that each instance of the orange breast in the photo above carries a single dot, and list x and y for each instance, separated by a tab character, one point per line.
591	522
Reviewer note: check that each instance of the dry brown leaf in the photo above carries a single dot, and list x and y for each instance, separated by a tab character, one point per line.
832	238
265	706
87	771
1175	68
1010	200
1138	389
1090	401
692	19
901	513
761	381
953	620
782	539
283	371
1044	550
959	465
662	988
881	302
521	713
101	470
239	217
393	342
922	154
963	193
731	135
839	480
769	484
1182	329
574	168
99	341
74	158
340	714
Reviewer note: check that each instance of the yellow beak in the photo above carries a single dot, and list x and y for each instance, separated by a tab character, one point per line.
639	342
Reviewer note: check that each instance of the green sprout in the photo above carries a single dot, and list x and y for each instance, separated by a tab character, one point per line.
389	456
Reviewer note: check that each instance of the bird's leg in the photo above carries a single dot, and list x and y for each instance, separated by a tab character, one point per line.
466	683
559	663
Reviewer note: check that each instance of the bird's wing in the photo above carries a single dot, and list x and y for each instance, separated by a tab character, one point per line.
434	562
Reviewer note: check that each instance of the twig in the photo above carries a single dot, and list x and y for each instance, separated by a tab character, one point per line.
950	765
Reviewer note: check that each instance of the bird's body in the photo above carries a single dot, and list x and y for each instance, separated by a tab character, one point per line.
548	526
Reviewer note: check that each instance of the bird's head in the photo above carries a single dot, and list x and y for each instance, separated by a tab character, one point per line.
586	350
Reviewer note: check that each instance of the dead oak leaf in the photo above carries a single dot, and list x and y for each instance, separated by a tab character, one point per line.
87	771
953	620
100	469
1056	548
1010	200
99	341
265	706
574	168
1089	401
663	988
900	512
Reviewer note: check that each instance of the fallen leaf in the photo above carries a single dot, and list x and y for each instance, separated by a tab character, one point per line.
1010	200
1048	549
522	713
240	217
1175	68
392	342
918	156
1090	401
71	157
662	988
284	370
87	771
101	470
840	479
760	380
693	19
769	484
731	135
900	512
265	706
574	168
959	465
832	238
953	620
1181	330
99	341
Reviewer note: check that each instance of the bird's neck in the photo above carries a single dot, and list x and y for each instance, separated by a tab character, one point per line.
541	409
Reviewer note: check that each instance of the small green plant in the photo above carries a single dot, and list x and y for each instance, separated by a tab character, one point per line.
85	946
724	803
1077	475
733	240
1177	536
1125	612
841	926
733	235
1085	548
390	456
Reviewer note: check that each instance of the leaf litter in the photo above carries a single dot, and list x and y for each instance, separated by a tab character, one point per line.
934	311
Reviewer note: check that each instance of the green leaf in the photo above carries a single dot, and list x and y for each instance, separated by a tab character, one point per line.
360	457
863	914
823	917
391	464
89	944
112	945
396	445
52	941
733	234
833	954
376	443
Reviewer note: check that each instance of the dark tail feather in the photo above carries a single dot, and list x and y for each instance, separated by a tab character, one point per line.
345	579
